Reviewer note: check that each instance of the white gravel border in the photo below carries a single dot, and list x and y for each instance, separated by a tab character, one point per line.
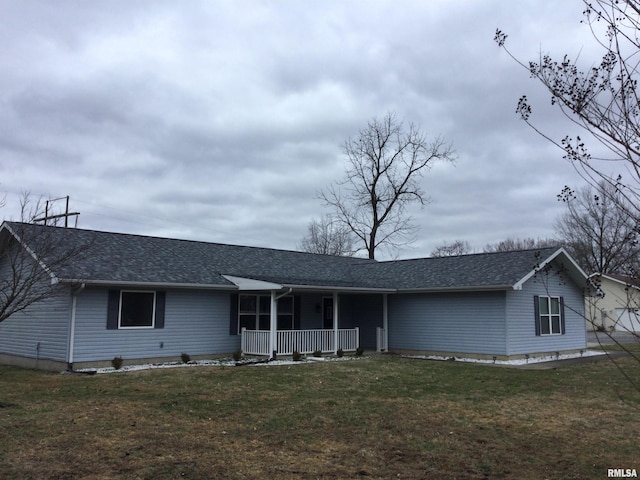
521	361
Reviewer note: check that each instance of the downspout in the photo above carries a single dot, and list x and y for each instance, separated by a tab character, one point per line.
273	326
285	293
385	322
72	329
336	320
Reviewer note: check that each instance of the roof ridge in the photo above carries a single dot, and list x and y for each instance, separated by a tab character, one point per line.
475	254
201	242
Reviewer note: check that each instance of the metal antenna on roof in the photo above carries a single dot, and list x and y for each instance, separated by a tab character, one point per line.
64	215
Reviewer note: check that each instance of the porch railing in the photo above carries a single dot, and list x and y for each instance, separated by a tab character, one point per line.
256	342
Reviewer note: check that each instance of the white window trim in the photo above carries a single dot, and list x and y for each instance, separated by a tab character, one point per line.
257	313
141	327
549	315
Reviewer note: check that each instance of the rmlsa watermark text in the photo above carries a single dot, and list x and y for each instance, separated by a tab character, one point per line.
622	473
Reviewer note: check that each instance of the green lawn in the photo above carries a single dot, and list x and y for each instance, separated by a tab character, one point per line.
378	418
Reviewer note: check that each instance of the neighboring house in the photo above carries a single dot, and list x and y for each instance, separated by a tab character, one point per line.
151	299
616	307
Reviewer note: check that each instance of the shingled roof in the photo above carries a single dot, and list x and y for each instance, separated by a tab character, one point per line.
116	258
499	270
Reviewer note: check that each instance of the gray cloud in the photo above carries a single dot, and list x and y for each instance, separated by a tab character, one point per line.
221	120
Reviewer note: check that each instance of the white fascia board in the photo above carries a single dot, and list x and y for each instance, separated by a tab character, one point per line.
120	283
54	279
480	288
574	268
615	280
332	288
251	284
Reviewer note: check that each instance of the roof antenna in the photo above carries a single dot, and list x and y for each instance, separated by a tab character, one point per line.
47	216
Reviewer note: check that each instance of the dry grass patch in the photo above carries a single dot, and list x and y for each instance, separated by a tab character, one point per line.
383	417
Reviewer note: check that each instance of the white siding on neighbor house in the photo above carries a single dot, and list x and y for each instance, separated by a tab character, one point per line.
472	322
41	331
196	323
521	320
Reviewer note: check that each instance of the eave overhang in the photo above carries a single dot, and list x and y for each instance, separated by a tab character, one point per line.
470	288
136	284
572	269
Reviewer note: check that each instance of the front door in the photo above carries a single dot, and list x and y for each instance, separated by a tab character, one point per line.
327	313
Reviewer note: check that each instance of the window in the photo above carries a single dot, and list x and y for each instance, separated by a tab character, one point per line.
254	312
285	313
135	309
549	315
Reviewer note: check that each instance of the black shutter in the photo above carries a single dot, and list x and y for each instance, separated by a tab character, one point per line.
296	312
160	307
562	315
113	309
536	312
233	314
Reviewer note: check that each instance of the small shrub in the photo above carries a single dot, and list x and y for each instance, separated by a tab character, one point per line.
117	362
237	356
340	353
185	357
296	356
359	351
317	353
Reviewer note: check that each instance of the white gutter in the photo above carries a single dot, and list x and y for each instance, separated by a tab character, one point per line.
116	283
471	288
333	288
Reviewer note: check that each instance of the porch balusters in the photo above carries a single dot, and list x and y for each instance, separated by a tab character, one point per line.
257	342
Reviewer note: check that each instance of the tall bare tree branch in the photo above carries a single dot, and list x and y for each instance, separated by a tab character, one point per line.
386	161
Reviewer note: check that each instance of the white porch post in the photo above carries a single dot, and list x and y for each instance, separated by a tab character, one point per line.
335	322
273	325
385	321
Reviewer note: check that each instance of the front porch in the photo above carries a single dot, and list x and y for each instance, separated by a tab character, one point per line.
258	342
273	319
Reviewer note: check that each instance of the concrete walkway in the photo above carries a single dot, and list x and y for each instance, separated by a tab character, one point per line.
595	339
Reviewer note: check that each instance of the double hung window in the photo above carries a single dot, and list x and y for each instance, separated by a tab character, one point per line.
254	312
549	315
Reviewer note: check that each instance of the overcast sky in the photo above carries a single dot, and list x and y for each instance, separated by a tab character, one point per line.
220	120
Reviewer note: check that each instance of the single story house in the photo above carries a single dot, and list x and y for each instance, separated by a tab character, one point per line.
616	307
146	299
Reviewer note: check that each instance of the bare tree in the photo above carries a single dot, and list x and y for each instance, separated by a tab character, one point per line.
29	254
511	244
328	237
455	248
598	234
386	161
602	100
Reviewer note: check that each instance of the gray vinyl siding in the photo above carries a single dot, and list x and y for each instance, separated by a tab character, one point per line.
521	321
196	322
472	322
365	312
45	323
310	311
